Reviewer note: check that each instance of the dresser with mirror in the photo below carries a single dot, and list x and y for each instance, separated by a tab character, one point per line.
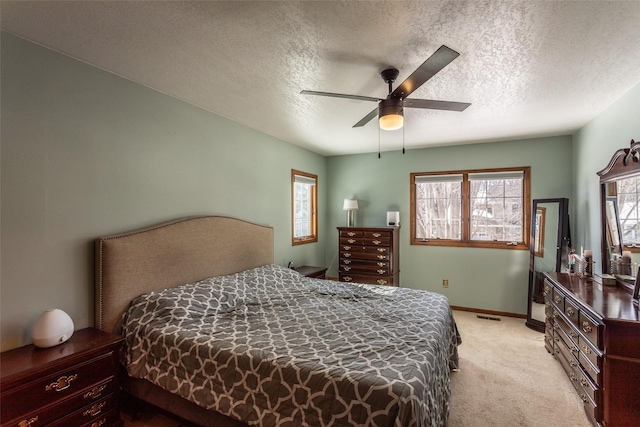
592	325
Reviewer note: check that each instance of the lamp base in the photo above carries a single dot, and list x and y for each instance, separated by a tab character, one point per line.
351	218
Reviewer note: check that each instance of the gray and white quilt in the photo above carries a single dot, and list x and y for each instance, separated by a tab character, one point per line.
271	347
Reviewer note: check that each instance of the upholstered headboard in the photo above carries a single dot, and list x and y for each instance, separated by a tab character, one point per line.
171	254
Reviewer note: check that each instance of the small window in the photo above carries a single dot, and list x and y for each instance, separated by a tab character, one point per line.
480	208
304	203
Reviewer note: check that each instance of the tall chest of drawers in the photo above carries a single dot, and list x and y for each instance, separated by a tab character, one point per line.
369	255
594	332
71	384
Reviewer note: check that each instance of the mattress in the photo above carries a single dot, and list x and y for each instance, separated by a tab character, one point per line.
271	347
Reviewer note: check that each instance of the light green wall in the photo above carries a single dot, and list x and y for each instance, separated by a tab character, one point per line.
593	147
87	153
489	279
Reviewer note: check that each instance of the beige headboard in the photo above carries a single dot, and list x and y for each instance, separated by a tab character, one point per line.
171	254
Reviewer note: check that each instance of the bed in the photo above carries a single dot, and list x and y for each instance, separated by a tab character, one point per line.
217	334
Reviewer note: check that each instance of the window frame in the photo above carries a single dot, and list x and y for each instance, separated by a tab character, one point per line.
465	240
314	209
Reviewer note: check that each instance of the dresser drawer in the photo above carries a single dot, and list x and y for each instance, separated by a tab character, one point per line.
368	255
351	233
590	328
89	415
571	311
377	241
66	383
369	279
558	299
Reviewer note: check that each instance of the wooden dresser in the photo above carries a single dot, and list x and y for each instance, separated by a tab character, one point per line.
369	255
71	384
594	332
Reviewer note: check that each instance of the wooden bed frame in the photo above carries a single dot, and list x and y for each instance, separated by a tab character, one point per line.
166	255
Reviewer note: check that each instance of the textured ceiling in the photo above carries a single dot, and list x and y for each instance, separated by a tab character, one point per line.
529	68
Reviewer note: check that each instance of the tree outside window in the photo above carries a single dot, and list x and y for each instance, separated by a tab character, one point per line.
481	208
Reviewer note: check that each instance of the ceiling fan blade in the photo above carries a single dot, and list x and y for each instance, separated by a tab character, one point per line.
341	95
436	62
436	105
366	119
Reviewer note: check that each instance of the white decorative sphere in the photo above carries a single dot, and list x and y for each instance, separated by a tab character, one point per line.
53	327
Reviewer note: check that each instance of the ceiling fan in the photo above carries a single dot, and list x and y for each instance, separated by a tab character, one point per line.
390	109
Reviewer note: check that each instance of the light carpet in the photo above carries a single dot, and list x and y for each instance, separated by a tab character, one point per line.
508	379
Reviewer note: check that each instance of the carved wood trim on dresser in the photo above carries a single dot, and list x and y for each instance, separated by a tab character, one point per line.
594	332
369	255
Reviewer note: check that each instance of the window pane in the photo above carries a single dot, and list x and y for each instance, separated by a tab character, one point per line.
629	212
496	209
439	210
303	210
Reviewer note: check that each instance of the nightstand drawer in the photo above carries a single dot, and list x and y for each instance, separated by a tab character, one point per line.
65	383
88	415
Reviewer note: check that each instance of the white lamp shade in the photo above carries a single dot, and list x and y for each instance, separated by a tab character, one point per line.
53	327
350	205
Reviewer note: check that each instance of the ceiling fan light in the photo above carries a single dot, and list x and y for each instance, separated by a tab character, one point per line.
391	122
391	114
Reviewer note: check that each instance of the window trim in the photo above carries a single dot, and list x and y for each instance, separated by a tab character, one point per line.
314	209
465	241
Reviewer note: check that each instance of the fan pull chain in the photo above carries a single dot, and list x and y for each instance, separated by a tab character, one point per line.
378	141
403	139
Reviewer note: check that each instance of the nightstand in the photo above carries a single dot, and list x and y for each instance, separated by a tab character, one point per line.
310	271
71	384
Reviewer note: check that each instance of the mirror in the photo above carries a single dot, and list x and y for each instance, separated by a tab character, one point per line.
620	173
549	251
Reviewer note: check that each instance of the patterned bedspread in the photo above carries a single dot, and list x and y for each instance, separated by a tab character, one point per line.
271	347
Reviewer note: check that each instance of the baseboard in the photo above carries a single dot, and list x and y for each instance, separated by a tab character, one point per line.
493	312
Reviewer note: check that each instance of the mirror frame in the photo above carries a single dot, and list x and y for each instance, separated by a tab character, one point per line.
563	239
625	163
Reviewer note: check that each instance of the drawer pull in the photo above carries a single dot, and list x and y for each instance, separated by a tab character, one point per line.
583	397
28	423
96	392
586	327
94	410
352	241
347	261
573	363
382	282
377	234
346	268
377	242
586	349
575	350
382	249
346	248
99	423
570	312
573	377
62	383
584	382
347	278
381	257
346	255
381	271
573	334
557	299
351	233
381	264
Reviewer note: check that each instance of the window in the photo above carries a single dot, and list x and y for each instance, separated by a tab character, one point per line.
628	194
477	208
304	203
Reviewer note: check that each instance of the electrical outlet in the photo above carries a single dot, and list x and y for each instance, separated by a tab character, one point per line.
445	283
